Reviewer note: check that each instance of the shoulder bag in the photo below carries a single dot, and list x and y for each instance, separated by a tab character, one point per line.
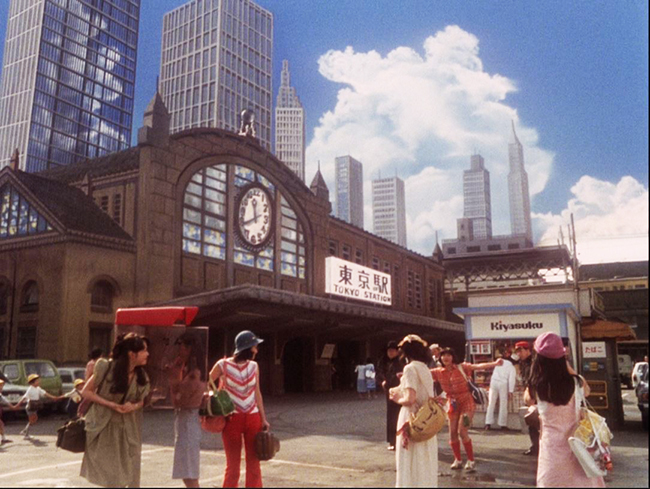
427	421
478	393
590	442
218	406
72	435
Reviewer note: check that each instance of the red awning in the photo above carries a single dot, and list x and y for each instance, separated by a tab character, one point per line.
156	316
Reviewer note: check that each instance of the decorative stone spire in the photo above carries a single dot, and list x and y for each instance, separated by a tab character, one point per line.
319	187
513	136
155	124
437	252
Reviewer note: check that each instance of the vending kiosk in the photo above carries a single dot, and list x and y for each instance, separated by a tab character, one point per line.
497	319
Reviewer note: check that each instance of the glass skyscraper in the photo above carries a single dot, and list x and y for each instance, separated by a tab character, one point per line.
349	190
520	222
290	125
389	209
67	80
476	198
217	60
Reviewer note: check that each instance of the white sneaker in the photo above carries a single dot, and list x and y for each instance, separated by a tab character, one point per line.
470	466
457	465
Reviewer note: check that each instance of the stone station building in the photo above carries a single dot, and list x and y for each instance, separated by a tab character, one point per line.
209	218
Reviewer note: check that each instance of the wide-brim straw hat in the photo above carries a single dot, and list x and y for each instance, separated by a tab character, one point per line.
412	338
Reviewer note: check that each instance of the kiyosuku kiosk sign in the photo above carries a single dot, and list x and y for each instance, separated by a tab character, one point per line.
514	325
347	279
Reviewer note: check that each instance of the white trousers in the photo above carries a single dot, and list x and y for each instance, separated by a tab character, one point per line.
498	392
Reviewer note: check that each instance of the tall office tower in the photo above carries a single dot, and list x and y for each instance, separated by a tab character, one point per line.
349	190
67	80
290	126
520	222
389	209
476	196
217	60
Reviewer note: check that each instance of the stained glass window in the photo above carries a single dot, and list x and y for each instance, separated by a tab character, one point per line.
18	217
204	213
292	255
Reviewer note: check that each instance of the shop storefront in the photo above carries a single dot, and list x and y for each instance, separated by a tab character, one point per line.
496	320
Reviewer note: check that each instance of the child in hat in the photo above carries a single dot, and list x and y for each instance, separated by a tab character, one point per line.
32	397
74	398
3	402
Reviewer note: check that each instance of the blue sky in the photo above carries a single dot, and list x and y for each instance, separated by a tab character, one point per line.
573	75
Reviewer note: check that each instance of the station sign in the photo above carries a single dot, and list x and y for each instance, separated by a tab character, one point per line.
347	279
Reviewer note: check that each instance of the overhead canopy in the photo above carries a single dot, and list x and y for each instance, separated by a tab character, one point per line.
601	329
156	316
267	310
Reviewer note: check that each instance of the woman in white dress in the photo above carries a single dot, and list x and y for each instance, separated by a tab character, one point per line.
417	462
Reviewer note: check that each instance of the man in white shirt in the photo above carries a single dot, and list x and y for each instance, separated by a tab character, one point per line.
502	386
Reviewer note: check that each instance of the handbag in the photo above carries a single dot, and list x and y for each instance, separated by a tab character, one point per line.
479	394
531	418
427	421
266	445
591	439
218	406
72	436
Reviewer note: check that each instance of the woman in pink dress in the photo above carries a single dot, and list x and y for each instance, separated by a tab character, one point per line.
554	386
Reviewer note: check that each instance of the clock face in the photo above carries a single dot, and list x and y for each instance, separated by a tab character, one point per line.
255	216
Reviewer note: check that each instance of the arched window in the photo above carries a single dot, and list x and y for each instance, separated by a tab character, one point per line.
263	221
101	297
29	298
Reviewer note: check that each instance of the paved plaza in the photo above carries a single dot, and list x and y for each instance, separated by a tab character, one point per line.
327	440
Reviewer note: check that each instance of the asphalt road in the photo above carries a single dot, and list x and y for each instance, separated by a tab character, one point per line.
327	440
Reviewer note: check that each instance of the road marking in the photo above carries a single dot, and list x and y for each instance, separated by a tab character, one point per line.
301	464
66	464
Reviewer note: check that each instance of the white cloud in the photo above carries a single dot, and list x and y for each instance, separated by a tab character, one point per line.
424	115
611	220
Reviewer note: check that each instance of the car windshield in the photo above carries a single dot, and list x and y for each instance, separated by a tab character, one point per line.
66	377
80	374
43	369
11	371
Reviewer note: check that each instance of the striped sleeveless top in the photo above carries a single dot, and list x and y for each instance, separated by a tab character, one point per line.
240	380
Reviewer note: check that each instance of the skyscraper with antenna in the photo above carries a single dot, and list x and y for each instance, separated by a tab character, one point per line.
290	125
520	221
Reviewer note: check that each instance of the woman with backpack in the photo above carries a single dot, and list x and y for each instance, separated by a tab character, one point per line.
416	462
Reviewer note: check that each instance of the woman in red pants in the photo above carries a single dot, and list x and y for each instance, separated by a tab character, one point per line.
241	379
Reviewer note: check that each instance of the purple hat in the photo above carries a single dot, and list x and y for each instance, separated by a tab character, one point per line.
549	345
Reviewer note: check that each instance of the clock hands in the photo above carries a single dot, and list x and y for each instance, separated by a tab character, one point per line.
255	216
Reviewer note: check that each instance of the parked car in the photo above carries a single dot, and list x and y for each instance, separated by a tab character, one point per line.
625	366
642	398
69	375
11	391
17	371
638	371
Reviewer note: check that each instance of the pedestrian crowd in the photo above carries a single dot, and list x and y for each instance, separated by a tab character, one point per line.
412	375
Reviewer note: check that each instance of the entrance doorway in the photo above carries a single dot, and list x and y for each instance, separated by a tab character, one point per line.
295	364
346	358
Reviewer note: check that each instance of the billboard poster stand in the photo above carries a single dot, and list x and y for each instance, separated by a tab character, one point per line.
162	326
